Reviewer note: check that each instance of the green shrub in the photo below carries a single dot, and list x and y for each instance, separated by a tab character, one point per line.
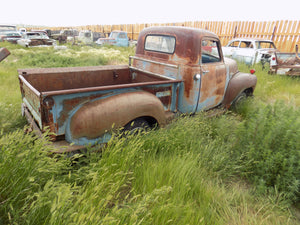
267	147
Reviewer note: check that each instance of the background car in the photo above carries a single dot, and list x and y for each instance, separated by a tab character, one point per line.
250	51
9	33
36	38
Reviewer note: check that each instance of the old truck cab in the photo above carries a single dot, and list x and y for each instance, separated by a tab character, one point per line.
195	57
117	38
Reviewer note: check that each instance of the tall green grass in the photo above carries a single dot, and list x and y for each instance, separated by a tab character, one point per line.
168	176
239	168
275	87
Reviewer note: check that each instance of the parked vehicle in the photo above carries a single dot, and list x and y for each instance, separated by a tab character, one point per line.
285	63
9	33
64	36
85	37
3	53
171	73
97	35
118	38
250	50
12	37
36	38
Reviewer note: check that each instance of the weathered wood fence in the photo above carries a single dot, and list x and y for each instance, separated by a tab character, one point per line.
285	33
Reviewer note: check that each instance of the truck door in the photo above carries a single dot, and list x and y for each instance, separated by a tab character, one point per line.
122	39
212	74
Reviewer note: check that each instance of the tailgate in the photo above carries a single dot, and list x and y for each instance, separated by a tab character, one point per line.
31	100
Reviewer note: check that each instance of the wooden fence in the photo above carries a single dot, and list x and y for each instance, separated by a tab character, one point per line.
284	33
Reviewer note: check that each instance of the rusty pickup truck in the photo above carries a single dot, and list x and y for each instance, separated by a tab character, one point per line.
175	70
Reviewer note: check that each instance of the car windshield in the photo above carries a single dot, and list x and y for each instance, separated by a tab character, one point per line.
114	35
265	44
13	34
36	35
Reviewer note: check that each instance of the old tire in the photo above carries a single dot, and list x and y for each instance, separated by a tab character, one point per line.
238	101
136	126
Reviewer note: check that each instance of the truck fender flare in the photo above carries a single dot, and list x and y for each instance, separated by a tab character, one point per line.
95	118
240	82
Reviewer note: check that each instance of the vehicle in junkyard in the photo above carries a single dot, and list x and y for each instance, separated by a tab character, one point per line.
9	33
85	37
285	63
173	72
36	38
118	38
97	35
12	37
66	35
250	50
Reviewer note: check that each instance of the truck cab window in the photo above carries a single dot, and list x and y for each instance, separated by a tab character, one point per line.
210	51
160	43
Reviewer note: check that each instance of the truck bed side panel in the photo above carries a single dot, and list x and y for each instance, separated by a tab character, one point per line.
52	95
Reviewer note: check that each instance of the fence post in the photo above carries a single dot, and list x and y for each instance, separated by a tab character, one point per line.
234	36
273	34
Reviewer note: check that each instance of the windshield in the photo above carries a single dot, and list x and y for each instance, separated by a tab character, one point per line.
37	36
13	34
114	35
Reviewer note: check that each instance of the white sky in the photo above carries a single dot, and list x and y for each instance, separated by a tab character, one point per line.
93	12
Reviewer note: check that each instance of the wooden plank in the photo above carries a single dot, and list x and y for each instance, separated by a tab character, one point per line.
289	38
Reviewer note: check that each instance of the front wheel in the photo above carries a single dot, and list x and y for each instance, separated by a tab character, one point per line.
238	101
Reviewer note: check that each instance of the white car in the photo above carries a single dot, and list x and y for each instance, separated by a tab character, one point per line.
250	50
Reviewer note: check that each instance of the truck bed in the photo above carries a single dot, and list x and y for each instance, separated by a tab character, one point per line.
287	64
64	79
51	94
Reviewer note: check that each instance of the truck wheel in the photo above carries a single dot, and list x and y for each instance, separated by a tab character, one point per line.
136	126
238	100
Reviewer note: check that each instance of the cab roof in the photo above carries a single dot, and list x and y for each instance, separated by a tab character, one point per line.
188	42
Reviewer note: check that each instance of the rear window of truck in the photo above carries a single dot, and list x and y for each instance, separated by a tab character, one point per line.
160	43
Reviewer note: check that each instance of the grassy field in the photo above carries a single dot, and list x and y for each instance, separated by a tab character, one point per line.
242	167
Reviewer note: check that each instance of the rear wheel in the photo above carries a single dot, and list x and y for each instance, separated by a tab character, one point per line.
136	126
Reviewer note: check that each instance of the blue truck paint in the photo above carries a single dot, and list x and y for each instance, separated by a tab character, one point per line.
117	38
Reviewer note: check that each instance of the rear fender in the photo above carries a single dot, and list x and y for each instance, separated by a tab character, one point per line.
92	122
239	83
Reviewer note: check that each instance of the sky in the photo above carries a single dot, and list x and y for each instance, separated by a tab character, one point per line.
57	13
